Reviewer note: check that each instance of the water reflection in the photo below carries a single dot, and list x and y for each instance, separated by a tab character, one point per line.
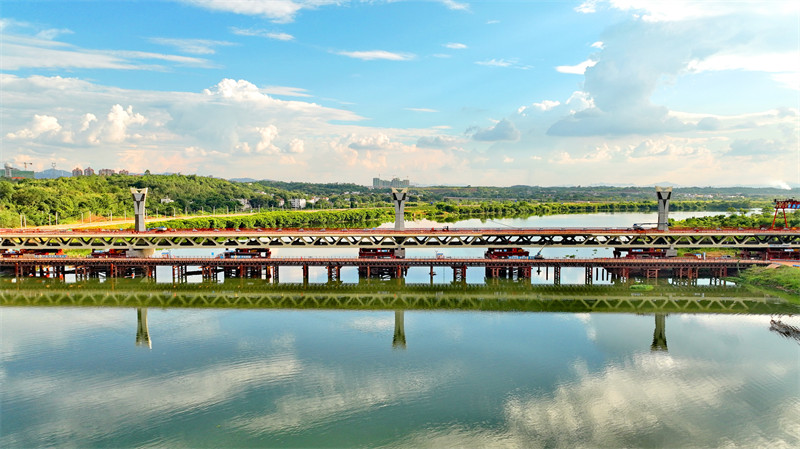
309	367
142	333
660	334
399	339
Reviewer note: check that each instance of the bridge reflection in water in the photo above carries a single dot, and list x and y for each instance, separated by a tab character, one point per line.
511	297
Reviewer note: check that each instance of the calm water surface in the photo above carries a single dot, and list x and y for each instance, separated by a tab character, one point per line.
116	371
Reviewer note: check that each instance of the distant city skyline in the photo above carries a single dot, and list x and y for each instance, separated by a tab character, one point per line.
442	92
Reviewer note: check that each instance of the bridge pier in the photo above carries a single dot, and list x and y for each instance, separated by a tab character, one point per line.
460	273
663	194
334	273
139	197
557	275
588	275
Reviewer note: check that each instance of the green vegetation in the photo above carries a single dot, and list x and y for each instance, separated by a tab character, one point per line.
293	219
782	278
69	200
740	220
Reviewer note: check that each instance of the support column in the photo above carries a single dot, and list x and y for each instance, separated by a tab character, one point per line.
588	275
399	198
557	275
139	196
663	194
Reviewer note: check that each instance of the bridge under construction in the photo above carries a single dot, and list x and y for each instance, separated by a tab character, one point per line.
408	238
612	269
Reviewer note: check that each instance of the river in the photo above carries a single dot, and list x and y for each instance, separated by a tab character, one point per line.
238	364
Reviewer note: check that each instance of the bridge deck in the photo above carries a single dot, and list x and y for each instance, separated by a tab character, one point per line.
409	238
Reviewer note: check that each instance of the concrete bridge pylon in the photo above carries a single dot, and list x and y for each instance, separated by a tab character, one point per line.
139	196
663	194
399	198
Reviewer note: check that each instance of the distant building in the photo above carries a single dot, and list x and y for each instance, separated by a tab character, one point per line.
166	200
124	172
88	171
297	203
106	172
244	202
378	183
15	173
77	171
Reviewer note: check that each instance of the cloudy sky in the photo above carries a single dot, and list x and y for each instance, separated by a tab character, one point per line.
440	92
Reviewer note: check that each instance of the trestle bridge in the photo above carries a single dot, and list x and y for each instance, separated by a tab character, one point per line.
15	239
269	268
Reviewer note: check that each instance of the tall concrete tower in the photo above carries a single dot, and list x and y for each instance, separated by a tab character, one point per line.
663	194
139	196
399	197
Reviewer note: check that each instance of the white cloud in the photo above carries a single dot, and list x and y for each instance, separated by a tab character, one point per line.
439	142
455	46
546	105
296	146
276	35
496	63
578	69
193	46
280	11
29	53
52	33
597	44
503	130
456	6
119	120
265	145
286	91
587	7
680	10
379	141
41	124
377	55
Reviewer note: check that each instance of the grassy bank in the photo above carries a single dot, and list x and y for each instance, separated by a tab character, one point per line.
439	212
783	278
285	219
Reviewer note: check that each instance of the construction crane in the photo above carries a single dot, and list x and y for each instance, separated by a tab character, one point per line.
26	164
791	204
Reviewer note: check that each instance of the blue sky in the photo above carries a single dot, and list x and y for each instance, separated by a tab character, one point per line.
441	92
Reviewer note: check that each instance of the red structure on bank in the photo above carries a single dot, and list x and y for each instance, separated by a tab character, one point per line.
791	204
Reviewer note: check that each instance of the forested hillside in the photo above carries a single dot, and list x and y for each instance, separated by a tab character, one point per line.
43	201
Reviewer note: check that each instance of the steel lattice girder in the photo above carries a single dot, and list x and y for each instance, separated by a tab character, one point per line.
355	239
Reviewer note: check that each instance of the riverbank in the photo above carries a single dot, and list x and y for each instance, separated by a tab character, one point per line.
783	278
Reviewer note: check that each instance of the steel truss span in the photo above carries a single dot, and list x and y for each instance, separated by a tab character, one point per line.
410	238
